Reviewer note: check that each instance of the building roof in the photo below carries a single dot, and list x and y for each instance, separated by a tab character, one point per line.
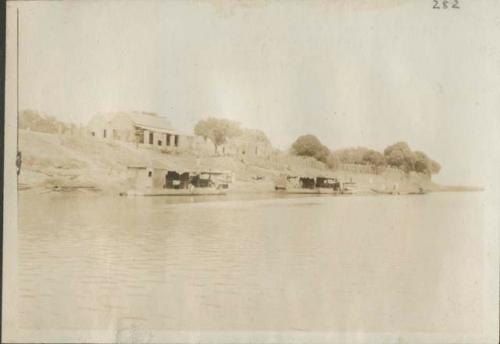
146	120
150	121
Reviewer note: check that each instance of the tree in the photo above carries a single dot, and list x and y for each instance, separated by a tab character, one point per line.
422	163
310	145
435	167
255	135
400	155
352	155
218	130
33	120
374	158
333	162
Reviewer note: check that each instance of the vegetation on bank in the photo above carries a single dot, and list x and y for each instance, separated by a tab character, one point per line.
36	121
398	155
69	162
219	131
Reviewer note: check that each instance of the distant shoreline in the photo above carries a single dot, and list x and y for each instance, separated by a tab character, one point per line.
59	163
241	190
459	188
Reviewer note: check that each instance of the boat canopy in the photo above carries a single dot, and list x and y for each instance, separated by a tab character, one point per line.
324	182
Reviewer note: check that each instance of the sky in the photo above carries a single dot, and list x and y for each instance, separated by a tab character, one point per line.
350	72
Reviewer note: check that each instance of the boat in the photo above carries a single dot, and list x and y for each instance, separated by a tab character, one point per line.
145	181
350	188
420	191
308	185
385	192
296	185
327	185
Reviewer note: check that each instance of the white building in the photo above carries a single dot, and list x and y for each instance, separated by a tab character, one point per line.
142	128
151	130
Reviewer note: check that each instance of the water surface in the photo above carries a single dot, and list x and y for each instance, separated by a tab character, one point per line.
377	264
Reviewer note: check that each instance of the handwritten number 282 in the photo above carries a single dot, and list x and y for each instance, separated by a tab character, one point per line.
445	4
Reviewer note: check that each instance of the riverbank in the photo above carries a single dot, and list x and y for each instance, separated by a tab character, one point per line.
64	163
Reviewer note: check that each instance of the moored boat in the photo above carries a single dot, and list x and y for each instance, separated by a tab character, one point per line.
420	191
164	182
385	192
308	185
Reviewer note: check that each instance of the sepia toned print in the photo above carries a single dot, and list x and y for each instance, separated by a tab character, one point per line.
251	172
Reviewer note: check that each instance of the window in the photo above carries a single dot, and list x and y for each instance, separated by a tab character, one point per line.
176	140
139	136
93	133
151	138
159	142
168	139
104	133
150	174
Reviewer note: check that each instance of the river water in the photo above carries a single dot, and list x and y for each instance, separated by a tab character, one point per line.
380	264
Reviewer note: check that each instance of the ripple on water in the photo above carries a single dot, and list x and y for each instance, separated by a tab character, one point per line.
275	264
